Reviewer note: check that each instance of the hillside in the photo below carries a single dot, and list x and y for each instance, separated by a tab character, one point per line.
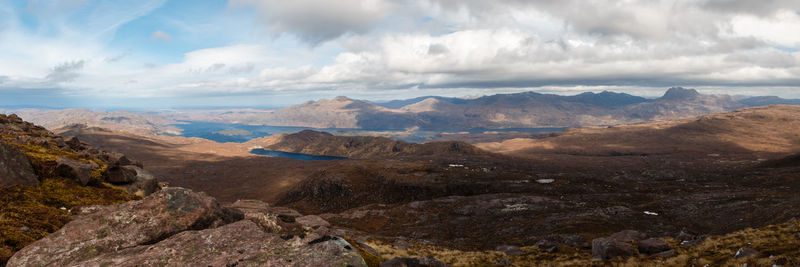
122	121
760	131
44	176
363	147
530	205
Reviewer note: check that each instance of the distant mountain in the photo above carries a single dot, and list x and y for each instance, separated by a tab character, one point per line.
519	110
768	100
678	102
397	104
608	99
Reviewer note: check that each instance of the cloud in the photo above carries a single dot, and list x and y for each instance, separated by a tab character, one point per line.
65	72
117	57
317	21
161	36
365	47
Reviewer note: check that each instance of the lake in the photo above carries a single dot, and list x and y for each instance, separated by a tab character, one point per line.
298	156
239	133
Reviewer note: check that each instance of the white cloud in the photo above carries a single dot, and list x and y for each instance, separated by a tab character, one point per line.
364	46
161	36
317	21
782	29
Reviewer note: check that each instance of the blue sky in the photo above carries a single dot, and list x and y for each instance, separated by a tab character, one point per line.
163	53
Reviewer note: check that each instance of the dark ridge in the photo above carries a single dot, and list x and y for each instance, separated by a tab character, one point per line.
679	93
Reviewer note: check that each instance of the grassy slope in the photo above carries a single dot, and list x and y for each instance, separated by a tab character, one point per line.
30	213
777	244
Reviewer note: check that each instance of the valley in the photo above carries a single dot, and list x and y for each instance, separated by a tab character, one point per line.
547	196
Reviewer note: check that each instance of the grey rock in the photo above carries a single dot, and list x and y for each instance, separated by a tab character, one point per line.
81	172
117	159
121	174
127	227
627	236
745	252
653	246
14	118
607	248
144	184
15	167
73	143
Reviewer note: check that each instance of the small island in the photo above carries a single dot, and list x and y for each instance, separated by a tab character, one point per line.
234	132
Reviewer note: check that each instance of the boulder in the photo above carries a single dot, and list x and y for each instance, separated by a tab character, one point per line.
577	241
265	217
81	172
285	214
14	118
745	252
15	167
547	245
74	143
312	222
413	262
627	236
144	182
117	159
240	243
60	142
121	174
607	248
653	246
127	226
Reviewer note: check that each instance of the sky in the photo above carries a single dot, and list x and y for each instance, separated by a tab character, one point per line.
270	53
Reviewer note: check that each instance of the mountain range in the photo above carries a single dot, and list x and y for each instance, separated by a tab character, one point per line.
519	110
435	113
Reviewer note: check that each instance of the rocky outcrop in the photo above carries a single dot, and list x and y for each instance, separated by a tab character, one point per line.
15	167
50	156
80	172
617	245
277	220
179	227
126	226
237	243
133	179
653	246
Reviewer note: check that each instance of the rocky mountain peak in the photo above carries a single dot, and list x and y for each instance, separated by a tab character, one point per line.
342	98
680	93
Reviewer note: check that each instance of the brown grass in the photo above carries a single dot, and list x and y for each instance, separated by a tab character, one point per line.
777	244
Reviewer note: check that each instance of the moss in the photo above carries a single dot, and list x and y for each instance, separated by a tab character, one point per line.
30	213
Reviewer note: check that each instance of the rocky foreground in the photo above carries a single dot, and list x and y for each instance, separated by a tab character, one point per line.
178	227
